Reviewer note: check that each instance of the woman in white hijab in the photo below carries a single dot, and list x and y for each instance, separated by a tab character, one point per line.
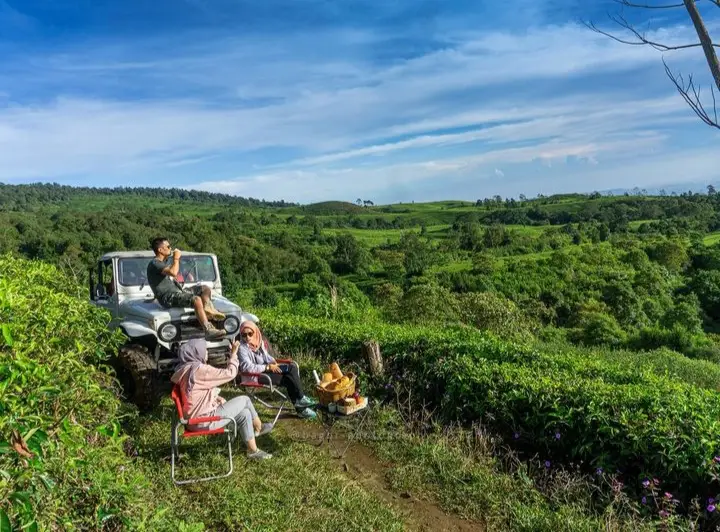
200	383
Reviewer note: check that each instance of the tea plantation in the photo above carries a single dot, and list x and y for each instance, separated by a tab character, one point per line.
569	408
579	332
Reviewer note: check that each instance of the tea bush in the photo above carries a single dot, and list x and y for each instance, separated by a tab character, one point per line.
343	340
62	459
654	428
631	413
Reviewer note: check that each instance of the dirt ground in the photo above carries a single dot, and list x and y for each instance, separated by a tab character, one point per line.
361	465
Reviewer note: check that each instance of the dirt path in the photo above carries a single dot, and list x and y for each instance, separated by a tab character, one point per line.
361	465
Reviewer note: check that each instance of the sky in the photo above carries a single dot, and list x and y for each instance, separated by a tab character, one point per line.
315	100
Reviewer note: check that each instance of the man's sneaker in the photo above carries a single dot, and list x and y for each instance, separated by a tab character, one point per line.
306	401
211	333
264	429
212	313
307	413
259	455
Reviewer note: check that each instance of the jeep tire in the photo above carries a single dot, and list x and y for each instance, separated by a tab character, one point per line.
138	376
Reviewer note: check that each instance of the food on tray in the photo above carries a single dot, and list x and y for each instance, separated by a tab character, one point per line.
335	387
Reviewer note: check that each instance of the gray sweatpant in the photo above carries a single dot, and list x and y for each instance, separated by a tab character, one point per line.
240	408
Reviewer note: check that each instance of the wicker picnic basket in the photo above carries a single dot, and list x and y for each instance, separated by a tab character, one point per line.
333	396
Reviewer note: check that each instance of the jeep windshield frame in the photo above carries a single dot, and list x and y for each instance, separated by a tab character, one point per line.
132	271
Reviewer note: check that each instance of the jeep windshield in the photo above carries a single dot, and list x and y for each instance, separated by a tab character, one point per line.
193	269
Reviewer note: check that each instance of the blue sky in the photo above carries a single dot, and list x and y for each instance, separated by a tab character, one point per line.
311	100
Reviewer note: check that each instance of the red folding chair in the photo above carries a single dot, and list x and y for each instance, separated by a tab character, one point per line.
230	429
254	382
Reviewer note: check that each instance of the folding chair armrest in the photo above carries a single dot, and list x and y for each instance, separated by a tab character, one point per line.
197	420
211	419
263	378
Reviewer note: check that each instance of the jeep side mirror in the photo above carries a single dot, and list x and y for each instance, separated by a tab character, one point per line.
100	292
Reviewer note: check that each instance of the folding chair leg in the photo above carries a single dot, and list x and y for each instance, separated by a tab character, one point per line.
280	409
271	406
175	445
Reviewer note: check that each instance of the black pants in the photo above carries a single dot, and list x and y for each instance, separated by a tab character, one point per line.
290	381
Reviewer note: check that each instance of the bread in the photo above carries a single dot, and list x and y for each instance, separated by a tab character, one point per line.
335	370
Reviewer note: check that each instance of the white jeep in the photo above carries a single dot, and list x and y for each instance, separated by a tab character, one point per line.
154	333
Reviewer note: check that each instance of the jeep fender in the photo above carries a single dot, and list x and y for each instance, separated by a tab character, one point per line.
135	330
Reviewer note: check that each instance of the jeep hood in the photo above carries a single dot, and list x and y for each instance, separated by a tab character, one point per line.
149	308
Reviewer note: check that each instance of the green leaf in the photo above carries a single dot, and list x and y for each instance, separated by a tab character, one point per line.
6	334
49	483
4	521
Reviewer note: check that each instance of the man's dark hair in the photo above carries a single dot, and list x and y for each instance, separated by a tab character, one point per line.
157	242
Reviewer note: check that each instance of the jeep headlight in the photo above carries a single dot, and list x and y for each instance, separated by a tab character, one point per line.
167	332
231	325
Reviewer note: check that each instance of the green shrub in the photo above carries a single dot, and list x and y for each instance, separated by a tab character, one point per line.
493	312
597	328
54	398
265	296
427	303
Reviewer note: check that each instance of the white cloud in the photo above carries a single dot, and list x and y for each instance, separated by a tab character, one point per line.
499	172
396	124
307	185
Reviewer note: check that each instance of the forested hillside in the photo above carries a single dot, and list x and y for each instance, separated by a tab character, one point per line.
632	271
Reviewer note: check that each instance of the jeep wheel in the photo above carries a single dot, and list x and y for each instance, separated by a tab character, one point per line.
137	376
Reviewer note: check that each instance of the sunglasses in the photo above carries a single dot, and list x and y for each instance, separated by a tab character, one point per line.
248	334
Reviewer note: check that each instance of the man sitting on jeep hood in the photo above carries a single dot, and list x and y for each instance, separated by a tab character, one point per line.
161	278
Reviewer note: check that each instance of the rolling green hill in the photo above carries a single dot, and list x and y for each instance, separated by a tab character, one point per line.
595	318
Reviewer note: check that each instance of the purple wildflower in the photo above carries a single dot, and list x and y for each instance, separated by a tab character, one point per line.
547	463
711	500
668	495
664	513
516	435
646	483
656	481
557	435
599	471
643	500
711	508
717	459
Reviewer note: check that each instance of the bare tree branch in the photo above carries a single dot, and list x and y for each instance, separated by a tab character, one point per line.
691	94
688	90
627	3
641	39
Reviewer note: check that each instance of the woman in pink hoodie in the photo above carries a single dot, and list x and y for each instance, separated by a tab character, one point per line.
199	385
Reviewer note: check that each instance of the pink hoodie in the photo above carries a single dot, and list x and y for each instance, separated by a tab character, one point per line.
204	397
